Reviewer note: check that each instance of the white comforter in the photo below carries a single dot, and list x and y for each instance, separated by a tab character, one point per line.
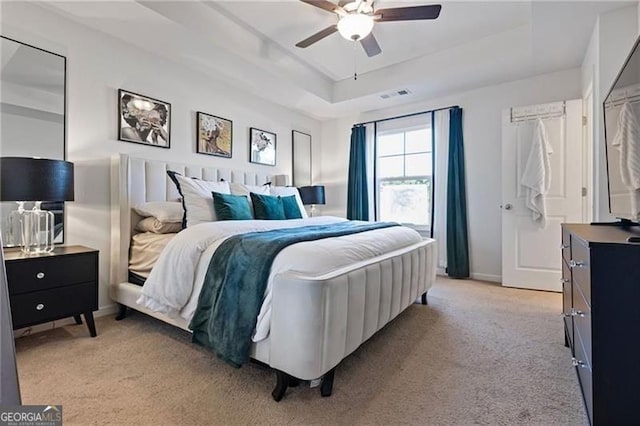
175	282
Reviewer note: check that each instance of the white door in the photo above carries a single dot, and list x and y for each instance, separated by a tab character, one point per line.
587	154
531	256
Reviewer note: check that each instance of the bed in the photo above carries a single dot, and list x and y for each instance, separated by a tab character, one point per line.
316	319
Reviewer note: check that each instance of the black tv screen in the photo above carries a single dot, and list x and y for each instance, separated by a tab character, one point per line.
622	139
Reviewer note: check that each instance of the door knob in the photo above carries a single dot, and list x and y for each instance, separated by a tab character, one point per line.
508	206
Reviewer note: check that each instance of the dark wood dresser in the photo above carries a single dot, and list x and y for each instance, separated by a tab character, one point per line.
53	286
601	290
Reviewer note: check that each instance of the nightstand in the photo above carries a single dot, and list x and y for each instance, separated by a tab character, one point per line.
53	286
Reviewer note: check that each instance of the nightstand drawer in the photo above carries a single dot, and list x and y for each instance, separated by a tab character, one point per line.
49	305
36	274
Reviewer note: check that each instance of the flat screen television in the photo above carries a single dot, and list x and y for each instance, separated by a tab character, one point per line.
622	140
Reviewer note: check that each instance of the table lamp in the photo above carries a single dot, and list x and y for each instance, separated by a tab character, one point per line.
312	195
25	179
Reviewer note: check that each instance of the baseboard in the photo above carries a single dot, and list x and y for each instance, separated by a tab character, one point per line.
475	276
486	277
101	312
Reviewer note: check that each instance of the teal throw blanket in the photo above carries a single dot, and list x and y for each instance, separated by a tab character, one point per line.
236	280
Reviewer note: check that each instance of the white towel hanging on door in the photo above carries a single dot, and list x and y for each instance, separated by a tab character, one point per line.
536	178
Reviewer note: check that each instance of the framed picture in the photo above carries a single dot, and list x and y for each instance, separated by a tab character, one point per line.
215	135
144	120
262	147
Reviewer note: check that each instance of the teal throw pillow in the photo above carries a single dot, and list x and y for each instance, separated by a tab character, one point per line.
291	207
267	207
231	207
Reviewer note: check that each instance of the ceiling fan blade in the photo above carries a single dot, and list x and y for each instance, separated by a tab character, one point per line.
318	36
370	45
412	13
323	4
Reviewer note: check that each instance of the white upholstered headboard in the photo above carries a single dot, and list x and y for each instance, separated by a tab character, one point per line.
138	180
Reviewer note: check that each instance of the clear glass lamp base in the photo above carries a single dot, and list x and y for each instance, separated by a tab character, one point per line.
37	230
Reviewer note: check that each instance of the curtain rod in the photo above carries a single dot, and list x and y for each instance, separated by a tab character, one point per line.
405	115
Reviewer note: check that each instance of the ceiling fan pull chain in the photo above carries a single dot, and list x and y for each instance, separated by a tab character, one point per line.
355	62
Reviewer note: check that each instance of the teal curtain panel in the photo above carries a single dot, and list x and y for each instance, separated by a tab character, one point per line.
357	190
457	233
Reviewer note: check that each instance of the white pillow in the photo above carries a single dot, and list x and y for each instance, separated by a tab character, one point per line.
241	189
197	198
285	191
164	211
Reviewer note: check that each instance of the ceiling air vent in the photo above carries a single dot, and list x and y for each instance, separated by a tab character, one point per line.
402	92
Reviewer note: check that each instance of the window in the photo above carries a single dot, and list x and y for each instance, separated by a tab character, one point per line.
404	177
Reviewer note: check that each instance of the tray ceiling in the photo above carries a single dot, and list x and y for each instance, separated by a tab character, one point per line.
251	44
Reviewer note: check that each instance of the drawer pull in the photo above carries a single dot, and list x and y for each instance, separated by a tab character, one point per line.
40	275
39	307
564	246
574	264
577	313
564	280
577	363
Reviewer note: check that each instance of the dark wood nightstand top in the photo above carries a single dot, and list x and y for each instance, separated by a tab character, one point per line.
14	253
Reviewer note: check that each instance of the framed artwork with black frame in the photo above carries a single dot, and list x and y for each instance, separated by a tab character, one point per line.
214	135
143	120
262	147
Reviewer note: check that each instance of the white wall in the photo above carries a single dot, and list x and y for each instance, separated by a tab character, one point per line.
97	65
482	137
611	41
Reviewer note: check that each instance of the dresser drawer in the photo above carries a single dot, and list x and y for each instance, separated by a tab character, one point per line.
52	304
580	268
567	301
582	322
584	374
25	276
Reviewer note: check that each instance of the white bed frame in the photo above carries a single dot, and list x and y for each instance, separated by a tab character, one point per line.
316	320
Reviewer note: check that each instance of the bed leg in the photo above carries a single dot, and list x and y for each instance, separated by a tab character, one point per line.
424	299
283	381
122	312
327	383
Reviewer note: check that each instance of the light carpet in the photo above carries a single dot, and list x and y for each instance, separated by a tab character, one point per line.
478	354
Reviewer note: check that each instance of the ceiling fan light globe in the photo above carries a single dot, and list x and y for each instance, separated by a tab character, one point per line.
355	26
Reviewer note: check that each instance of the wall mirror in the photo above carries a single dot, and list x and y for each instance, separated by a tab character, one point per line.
32	117
301	159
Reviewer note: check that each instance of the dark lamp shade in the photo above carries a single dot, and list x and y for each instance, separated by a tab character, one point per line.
312	194
35	179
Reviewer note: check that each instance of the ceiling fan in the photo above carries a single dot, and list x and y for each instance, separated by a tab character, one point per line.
357	17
